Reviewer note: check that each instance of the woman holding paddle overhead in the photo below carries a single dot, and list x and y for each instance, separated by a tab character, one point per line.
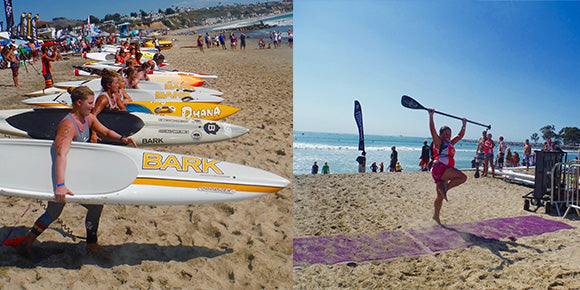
444	173
75	126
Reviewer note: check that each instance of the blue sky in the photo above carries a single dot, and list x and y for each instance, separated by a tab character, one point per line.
80	9
512	64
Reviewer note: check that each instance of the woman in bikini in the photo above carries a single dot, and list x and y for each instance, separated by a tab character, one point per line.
488	161
444	173
121	96
107	99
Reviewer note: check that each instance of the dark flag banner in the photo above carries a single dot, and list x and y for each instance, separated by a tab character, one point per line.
359	124
9	16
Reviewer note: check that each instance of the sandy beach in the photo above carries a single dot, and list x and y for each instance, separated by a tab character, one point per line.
217	246
370	203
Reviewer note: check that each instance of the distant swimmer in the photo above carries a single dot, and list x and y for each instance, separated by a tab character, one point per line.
445	175
325	168
362	161
315	168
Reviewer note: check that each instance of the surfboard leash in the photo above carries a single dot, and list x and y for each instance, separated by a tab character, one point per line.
65	230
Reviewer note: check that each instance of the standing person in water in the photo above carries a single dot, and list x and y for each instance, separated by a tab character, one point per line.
444	173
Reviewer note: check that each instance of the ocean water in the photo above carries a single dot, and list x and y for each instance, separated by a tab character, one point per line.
341	151
283	22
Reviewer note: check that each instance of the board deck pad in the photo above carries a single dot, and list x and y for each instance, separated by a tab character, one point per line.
389	245
42	123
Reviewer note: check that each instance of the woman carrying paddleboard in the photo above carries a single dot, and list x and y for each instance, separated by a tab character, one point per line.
444	173
67	131
109	98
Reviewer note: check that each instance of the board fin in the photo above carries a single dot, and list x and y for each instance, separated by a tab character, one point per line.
14	242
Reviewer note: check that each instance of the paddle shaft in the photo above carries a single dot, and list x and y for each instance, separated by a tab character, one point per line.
476	123
410	103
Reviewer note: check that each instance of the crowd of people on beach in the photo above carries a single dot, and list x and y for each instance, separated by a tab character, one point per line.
394	166
16	56
238	42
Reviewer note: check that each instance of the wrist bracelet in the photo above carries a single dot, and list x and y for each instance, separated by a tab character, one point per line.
59	185
121	139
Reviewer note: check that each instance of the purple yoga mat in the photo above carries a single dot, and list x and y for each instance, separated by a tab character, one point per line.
389	245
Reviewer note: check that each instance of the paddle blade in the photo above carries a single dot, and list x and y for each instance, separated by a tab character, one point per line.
410	103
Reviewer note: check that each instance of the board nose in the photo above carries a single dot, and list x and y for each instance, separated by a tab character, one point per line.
237	131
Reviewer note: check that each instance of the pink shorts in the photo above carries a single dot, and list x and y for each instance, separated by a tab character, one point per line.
437	171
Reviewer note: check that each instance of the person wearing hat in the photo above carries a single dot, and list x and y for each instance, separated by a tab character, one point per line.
325	168
548	146
315	168
398	167
374	167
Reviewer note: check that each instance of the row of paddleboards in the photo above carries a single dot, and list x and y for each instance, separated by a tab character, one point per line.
97	67
170	110
95	85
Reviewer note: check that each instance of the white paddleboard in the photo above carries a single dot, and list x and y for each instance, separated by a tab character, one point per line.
100	56
105	174
98	66
63	99
145	129
44	92
95	85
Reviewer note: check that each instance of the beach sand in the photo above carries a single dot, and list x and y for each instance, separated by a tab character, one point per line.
221	246
370	203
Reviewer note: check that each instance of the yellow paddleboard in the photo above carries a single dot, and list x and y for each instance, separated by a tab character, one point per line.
176	79
206	111
163	44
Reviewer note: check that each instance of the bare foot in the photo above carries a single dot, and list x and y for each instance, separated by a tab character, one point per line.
436	219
